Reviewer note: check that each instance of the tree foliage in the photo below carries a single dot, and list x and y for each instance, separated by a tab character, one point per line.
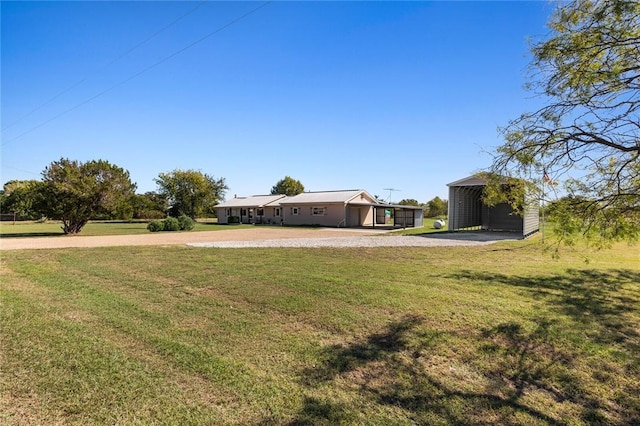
288	186
191	192
588	132
436	207
20	197
75	192
149	205
409	202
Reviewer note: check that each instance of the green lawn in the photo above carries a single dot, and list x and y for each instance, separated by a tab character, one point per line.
500	334
54	228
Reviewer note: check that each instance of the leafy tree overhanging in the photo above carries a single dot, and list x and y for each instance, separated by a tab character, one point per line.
588	133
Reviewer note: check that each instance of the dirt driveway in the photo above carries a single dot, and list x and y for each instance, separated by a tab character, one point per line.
170	238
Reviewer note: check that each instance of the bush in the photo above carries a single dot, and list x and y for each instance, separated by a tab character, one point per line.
155	226
186	223
171	224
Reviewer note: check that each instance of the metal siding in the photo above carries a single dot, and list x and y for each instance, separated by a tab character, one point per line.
419	218
502	218
465	207
451	222
466	210
531	219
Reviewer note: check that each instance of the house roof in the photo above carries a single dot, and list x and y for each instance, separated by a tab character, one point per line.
352	196
253	201
324	197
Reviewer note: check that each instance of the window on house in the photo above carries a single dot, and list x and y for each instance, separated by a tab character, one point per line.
277	211
260	212
243	212
294	211
317	211
228	212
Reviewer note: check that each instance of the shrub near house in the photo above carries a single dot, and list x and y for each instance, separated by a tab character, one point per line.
182	223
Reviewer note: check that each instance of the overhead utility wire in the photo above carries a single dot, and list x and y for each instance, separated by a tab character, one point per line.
20	170
76	84
200	40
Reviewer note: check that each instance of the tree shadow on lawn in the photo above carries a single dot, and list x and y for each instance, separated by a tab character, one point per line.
394	368
512	373
603	308
32	234
591	298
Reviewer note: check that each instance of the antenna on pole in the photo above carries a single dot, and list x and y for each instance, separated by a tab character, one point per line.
390	191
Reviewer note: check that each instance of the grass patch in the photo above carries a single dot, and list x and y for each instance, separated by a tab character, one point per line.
54	228
498	334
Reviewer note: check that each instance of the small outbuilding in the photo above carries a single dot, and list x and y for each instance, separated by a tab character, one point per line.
468	212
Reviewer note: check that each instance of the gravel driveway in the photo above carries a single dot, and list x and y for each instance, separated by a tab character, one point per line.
260	237
179	238
427	240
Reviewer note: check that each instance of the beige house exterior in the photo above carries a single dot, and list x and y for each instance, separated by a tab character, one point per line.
257	209
351	208
344	208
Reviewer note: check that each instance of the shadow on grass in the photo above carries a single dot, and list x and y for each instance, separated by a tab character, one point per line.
510	373
31	234
591	298
391	368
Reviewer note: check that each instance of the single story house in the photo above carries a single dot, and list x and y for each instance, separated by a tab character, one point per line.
254	209
467	211
345	208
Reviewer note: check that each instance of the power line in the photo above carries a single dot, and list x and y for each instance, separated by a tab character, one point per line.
126	80
122	55
20	170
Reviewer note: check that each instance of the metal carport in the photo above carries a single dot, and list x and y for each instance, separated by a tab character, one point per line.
468	212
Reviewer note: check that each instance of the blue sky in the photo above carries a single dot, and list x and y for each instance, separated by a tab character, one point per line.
340	95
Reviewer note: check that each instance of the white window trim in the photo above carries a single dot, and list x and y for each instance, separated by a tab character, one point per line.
295	211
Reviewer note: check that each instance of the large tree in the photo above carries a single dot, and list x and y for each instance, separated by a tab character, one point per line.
75	192
288	186
191	192
588	132
20	197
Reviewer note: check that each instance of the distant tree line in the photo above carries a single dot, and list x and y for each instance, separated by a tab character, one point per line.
436	207
75	192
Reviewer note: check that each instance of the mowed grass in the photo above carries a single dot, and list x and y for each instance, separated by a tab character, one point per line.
54	228
499	334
